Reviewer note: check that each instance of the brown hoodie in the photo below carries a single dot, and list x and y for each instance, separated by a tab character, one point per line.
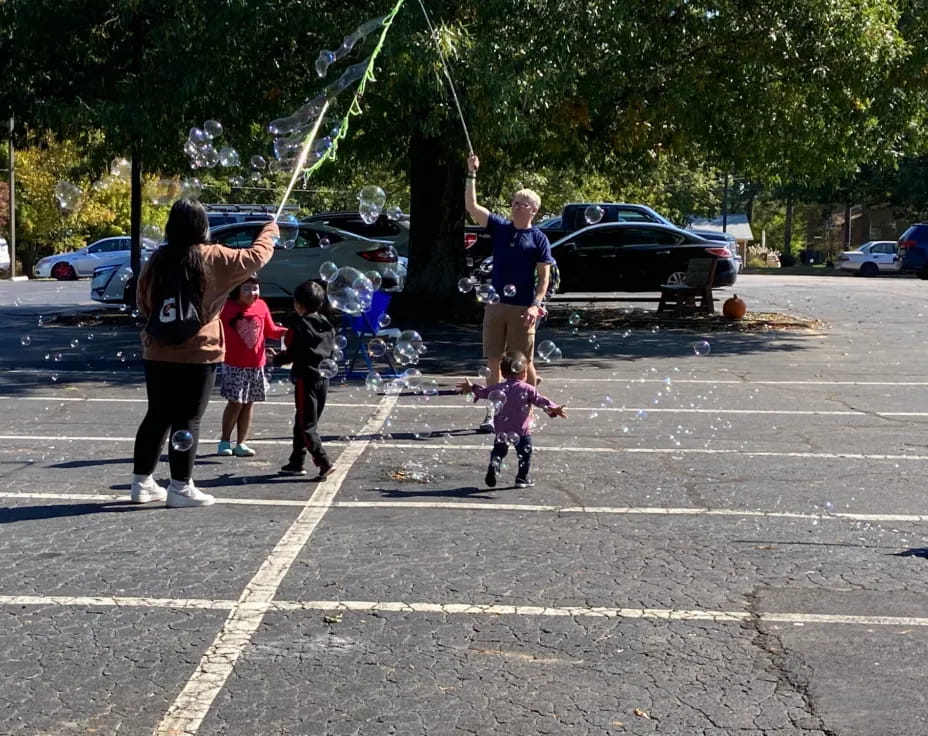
223	269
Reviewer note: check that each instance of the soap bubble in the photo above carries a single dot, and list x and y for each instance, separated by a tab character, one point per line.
229	157
412	378
289	231
375	278
466	284
182	440
349	291
545	349
152	232
67	196
702	347
213	128
327	271
574	319
509	290
372	194
384	321
484	292
324	242
323	62
198	135
236	182
513	438
328	368
393	213
557	354
377	348
25	340
121	168
341	342
369	212
483	372
593	214
497	399
191	188
75	343
164	191
373	381
258	162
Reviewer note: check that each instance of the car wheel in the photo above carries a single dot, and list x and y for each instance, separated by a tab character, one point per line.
869	269
63	272
675	277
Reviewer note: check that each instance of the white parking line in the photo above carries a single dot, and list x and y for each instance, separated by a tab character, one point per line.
459	609
435	443
192	704
517	507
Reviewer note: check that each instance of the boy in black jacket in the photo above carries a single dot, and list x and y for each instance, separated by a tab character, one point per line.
310	339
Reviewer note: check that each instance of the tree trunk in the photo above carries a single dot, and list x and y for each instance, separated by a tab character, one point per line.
788	226
436	211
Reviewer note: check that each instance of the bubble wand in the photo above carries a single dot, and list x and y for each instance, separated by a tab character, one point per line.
444	67
301	160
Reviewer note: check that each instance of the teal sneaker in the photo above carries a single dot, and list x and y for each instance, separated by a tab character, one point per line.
225	448
243	450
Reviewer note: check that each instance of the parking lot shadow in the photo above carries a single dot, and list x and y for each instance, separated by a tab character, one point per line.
462	492
9	515
913	552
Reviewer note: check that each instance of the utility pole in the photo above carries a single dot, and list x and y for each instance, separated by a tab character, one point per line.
725	205
12	184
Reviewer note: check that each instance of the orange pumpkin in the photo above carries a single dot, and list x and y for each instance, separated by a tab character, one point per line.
734	308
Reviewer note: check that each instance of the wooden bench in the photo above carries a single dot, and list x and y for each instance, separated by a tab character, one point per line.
697	284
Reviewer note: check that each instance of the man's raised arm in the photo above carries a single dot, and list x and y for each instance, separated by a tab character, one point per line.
479	214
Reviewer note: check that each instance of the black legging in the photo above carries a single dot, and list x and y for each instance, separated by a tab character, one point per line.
178	394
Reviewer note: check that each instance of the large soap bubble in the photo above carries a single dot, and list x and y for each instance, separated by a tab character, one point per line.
350	291
328	368
327	271
67	196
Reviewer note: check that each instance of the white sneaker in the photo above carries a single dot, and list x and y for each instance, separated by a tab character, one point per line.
187	495
145	490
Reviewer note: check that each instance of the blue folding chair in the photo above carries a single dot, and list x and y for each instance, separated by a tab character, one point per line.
363	328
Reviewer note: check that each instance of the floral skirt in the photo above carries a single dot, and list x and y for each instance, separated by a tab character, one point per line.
243	385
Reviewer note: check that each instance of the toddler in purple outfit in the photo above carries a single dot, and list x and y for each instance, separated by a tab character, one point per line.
512	400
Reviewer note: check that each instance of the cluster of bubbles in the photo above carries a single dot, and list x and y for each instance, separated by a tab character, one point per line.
200	150
410	379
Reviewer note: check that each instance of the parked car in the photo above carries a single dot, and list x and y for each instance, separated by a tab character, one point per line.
723	237
79	263
631	256
913	247
877	256
231	214
4	256
287	268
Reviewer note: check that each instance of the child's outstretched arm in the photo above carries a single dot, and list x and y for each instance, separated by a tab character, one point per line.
465	386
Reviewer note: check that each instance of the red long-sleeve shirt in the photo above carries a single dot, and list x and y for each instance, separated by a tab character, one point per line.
245	338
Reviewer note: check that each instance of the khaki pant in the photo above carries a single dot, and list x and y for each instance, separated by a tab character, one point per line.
503	329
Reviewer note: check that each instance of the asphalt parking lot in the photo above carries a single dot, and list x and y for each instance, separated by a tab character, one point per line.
731	543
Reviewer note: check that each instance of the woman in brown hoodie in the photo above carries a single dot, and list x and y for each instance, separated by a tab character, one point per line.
179	376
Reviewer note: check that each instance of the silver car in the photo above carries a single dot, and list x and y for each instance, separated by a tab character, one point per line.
78	263
314	245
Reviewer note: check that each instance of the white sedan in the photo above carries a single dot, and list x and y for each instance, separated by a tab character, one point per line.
78	263
877	256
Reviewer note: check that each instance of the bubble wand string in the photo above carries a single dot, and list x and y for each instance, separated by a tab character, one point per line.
444	67
307	144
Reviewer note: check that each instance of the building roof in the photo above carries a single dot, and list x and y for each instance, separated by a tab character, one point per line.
738	225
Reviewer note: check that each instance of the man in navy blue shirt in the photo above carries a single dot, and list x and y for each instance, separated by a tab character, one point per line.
521	268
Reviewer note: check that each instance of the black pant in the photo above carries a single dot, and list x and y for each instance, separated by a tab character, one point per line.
178	394
523	450
309	394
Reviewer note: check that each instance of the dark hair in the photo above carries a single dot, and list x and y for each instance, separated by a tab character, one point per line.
186	228
237	291
512	363
309	295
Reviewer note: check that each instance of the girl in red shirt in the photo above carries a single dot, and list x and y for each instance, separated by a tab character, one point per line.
247	323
